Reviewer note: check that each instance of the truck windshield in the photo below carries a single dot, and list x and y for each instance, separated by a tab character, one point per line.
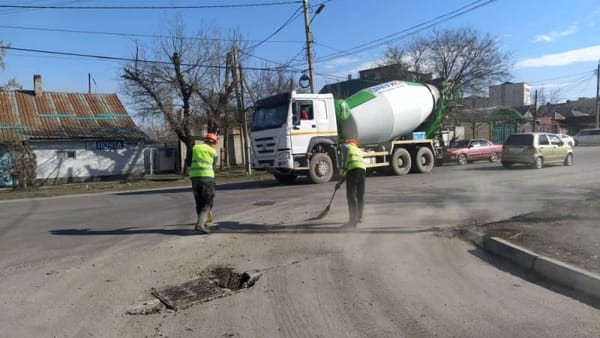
270	117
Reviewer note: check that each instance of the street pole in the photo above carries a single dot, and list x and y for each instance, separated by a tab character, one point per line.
535	110
598	95
309	53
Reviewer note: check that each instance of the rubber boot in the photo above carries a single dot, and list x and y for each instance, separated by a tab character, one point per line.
201	223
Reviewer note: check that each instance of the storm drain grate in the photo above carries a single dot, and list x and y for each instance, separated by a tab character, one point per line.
187	294
216	282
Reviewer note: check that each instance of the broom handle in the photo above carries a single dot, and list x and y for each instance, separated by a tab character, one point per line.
333	195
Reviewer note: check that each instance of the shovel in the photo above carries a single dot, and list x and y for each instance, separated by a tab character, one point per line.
326	211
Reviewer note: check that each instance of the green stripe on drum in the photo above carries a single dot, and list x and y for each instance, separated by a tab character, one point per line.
359	98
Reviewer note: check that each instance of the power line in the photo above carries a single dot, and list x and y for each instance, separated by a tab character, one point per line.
115	58
560	77
285	24
408	31
132	34
263	4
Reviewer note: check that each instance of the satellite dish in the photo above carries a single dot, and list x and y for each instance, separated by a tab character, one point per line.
304	81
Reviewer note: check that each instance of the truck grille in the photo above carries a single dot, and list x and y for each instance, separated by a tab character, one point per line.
264	145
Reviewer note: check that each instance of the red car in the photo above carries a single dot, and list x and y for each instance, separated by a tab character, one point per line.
469	150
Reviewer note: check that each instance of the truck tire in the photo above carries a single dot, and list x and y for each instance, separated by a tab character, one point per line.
320	168
401	162
285	178
424	160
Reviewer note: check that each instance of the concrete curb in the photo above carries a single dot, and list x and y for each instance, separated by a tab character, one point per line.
566	275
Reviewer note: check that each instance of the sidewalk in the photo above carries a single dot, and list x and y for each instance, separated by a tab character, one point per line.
560	243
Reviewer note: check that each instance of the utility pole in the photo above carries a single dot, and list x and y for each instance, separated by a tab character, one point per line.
598	95
534	110
309	53
237	77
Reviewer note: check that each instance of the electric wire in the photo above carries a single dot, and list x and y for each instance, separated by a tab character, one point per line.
43	29
408	31
293	17
262	4
116	58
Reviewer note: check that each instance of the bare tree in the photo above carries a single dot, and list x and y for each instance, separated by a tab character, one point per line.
189	89
267	82
21	165
469	58
12	83
4	46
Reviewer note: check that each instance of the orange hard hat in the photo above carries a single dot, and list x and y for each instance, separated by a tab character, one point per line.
212	137
351	140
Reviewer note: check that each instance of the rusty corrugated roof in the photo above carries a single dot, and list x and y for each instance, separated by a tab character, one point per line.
57	115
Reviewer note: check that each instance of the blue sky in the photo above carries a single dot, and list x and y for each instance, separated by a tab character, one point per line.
554	44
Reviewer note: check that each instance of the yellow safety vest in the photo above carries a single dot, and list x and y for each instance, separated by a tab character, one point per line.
354	159
203	157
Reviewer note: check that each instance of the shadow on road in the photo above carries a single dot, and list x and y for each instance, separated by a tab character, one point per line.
239	228
188	189
308	228
519	272
126	231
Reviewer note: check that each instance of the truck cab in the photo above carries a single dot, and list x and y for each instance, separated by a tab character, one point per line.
295	134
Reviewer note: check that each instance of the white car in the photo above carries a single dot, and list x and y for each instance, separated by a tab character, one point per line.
567	139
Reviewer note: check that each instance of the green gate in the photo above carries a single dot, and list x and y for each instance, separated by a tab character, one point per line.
502	131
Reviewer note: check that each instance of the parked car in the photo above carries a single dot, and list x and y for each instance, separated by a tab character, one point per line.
536	150
567	139
469	150
587	136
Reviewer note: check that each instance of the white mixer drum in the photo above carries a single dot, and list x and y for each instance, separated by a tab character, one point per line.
387	111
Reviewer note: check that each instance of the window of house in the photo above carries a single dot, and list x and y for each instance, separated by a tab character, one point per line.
64	154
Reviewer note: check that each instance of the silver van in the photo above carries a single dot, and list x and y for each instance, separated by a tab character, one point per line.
587	136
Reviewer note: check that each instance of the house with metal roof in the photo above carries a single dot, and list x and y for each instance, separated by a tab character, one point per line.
74	136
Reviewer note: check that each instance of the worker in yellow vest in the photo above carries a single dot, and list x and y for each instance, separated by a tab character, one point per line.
353	173
202	174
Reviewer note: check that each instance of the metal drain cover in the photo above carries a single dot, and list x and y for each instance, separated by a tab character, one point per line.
216	282
187	294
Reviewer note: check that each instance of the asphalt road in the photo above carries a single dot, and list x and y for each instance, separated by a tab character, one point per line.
72	266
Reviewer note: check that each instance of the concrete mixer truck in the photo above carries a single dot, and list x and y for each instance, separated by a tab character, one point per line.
397	125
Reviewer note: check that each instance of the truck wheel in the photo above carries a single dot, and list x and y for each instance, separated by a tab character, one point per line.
285	178
424	160
401	162
320	168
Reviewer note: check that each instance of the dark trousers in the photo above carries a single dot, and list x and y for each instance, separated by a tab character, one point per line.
355	194
204	194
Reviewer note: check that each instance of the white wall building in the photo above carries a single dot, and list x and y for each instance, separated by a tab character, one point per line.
510	95
75	136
